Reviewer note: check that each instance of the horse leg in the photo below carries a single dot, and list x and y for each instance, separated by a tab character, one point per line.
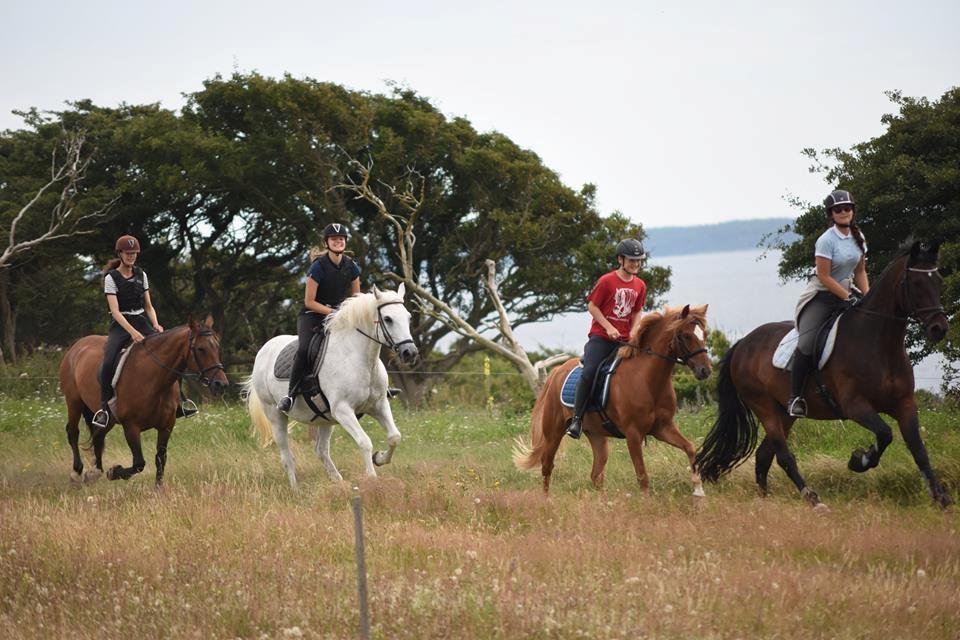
670	434
788	463
909	421
765	453
73	437
132	434
163	436
598	443
863	460
97	442
635	447
384	415
278	424
322	447
348	420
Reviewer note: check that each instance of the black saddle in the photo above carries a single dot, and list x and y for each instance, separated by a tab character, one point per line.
284	363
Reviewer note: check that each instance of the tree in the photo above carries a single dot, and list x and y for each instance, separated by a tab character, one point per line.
907	184
39	211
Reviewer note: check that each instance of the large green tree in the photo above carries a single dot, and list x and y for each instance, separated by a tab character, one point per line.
906	182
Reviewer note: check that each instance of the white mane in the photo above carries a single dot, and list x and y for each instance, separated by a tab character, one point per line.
359	310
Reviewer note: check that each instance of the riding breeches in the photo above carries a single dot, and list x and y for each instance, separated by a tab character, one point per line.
814	314
307	325
595	352
117	339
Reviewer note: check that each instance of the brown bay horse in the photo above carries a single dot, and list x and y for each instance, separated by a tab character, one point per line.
642	400
147	392
868	373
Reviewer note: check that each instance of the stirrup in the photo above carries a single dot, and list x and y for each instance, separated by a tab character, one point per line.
100	419
187	408
393	392
797	408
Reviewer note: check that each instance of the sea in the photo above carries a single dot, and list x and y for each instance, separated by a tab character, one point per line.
742	288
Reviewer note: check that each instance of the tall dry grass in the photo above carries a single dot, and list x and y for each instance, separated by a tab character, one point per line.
460	544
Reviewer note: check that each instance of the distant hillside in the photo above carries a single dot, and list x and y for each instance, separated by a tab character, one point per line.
736	235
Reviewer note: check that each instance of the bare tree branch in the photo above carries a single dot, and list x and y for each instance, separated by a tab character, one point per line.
63	222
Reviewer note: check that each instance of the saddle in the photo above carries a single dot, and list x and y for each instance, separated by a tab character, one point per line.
121	360
599	391
284	364
823	347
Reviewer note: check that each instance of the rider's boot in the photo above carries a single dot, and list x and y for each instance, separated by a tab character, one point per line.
797	407
285	404
575	428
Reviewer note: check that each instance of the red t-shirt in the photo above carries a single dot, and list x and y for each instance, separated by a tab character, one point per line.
619	301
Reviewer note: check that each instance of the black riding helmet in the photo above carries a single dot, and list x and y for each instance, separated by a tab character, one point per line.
838	197
631	248
335	229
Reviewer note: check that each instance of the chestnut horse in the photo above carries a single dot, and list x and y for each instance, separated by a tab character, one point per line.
867	374
642	401
148	391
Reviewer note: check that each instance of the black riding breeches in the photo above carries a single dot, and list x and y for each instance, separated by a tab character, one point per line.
117	339
814	314
307	325
595	352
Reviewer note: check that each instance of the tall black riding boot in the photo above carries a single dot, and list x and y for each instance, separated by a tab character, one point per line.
802	363
575	428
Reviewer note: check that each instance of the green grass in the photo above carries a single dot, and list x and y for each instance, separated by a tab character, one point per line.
461	544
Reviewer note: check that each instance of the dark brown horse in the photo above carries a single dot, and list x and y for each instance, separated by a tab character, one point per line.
869	373
148	391
642	400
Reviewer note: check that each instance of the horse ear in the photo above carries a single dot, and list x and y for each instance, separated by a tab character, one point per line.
915	250
935	249
375	292
208	323
402	290
685	312
192	323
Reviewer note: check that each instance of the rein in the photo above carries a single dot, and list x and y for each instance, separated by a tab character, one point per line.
681	359
390	343
914	314
199	374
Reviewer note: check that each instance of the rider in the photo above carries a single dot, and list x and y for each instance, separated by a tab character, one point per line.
128	298
614	304
840	259
332	278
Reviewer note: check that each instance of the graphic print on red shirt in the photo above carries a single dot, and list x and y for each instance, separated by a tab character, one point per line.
619	302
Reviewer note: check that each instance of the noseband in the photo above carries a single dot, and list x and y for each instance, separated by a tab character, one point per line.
390	343
677	345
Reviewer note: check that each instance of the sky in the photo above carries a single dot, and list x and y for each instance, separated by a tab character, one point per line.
682	113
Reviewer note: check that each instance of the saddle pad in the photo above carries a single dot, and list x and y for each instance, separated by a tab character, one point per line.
601	392
284	363
120	362
784	351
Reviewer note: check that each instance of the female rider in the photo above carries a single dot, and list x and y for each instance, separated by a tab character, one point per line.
841	261
332	278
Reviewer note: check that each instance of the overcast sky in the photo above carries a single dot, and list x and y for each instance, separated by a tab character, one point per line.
681	113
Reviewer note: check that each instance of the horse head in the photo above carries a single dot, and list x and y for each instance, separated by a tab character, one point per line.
920	290
689	341
204	356
393	324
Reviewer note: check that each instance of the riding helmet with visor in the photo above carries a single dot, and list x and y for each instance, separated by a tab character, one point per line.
631	249
837	198
335	229
127	243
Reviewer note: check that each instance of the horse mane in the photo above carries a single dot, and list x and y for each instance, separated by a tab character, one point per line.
903	252
358	310
670	315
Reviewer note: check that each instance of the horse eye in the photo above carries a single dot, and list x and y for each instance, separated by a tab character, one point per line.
388	320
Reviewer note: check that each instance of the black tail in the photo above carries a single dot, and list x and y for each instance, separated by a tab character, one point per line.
733	436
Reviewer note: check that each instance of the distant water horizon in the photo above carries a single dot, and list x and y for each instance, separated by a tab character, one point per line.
742	288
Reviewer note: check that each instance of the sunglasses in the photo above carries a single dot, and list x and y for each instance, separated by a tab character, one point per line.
843	208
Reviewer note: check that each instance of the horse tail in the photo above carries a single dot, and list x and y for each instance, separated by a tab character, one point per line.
529	455
261	429
733	436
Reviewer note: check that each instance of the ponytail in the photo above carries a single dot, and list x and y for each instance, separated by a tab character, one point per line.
857	236
110	266
316	252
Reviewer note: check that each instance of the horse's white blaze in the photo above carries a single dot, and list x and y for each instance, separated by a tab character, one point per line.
697	331
352	377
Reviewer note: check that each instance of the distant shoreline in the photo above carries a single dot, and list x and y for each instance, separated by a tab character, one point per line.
734	235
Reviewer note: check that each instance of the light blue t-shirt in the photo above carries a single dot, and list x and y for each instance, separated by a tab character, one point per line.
841	250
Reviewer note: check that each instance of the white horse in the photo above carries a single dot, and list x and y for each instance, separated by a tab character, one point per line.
351	375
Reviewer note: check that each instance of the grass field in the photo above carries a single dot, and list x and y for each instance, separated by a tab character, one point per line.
462	545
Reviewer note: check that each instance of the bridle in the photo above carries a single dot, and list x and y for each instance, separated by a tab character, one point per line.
199	374
390	342
676	345
916	314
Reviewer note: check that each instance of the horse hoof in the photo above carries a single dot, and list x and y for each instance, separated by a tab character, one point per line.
698	492
821	509
113	473
379	458
76	479
91	475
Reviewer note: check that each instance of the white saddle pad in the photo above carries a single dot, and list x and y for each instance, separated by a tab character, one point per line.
116	376
784	350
